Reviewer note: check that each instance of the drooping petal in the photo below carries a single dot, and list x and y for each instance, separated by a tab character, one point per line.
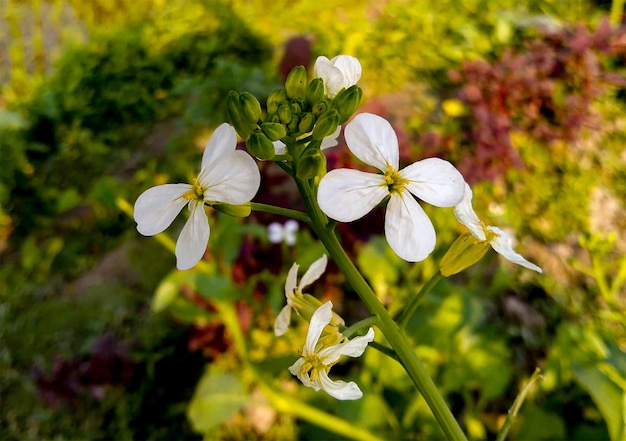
339	389
221	144
346	195
503	247
372	139
351	348
192	240
235	180
292	280
465	214
281	325
320	318
330	140
314	272
157	207
435	181
408	230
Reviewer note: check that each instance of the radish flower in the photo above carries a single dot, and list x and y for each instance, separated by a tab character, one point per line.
338	73
347	195
318	357
227	175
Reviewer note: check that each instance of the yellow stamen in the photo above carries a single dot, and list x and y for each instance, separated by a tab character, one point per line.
196	192
394	181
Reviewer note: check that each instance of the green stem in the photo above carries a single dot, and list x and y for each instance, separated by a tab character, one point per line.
294	214
517	404
394	335
408	312
349	332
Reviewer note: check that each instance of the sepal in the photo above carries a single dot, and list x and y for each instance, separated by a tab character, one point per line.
464	252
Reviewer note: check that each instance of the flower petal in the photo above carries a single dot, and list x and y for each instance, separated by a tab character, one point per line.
221	144
339	389
292	280
314	272
435	181
465	214
281	325
503	247
350	68
372	139
408	230
280	148
346	195
235	180
157	207
193	238
275	232
341	72
330	140
351	348
320	318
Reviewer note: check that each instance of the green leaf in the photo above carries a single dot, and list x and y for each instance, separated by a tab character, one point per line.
216	398
168	290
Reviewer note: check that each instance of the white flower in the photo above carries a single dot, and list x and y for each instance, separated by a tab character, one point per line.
227	175
346	195
497	238
341	72
328	142
293	291
317	359
278	233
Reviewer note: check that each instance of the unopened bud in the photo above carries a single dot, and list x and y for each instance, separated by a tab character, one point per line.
464	252
320	107
242	210
274	131
315	91
306	123
276	98
326	124
260	146
347	101
311	165
250	107
235	116
284	113
293	124
295	85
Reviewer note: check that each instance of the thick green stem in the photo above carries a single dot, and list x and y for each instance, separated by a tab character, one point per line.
394	335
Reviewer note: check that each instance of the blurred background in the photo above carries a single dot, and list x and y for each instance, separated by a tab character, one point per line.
100	336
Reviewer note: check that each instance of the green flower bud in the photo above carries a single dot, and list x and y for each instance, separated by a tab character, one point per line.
306	123
276	98
260	146
250	107
235	116
347	101
320	107
274	131
284	113
296	108
243	210
293	124
295	85
315	91
464	252
311	165
326	124
273	118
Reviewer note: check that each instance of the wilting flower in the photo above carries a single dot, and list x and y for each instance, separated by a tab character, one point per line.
338	73
346	195
278	233
304	304
318	357
227	175
497	238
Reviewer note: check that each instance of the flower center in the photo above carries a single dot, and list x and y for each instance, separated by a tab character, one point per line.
312	366
196	192
393	180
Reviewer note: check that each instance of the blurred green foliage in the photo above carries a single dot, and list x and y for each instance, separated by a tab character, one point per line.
125	100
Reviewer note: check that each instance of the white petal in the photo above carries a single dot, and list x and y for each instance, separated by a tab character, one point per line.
346	195
281	325
330	140
350	67
314	272
465	214
292	280
157	207
221	144
339	389
435	181
372	139
320	318
280	148
275	232
303	376
408	230
234	180
193	238
297	366
351	348
502	246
